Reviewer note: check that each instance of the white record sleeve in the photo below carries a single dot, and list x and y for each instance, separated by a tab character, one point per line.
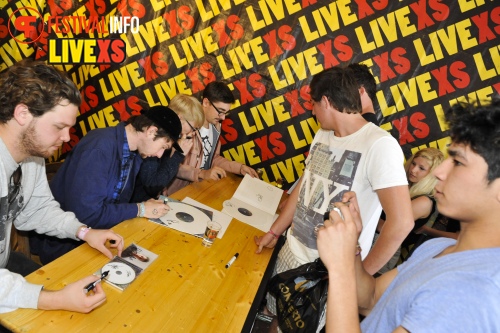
186	218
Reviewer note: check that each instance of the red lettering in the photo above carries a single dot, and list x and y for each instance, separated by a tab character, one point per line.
95	7
196	84
420	9
186	19
254	80
496	86
307	3
462	77
73	140
265	152
293	98
230	133
3	28
133	102
329	60
495	17
220	28
245	95
421	129
306	96
364	9
103	46
271	40
481	21
161	67
402	127
288	39
54	8
441	75
136	8
402	64
237	30
441	10
171	18
279	146
89	99
118	47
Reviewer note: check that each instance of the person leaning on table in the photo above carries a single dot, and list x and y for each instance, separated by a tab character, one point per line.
103	167
38	106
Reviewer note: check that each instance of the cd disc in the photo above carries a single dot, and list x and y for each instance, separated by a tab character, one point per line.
119	273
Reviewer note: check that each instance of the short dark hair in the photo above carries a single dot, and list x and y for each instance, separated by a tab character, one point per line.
338	85
217	91
39	86
365	79
140	123
478	126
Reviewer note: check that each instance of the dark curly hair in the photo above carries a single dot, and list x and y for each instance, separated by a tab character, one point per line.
37	85
478	126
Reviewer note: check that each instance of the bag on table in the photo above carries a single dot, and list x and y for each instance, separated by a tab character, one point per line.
300	296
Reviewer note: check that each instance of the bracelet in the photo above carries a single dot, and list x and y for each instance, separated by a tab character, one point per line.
82	232
142	209
358	249
272	233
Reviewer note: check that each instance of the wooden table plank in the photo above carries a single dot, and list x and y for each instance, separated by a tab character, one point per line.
186	289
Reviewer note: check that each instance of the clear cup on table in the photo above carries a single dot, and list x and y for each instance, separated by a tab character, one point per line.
211	232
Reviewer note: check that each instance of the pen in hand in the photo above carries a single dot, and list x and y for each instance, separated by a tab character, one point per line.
232	260
92	285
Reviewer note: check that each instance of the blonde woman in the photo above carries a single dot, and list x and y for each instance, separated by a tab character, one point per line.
421	184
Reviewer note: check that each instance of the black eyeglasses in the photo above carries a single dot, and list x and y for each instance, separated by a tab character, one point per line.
15	179
194	129
218	111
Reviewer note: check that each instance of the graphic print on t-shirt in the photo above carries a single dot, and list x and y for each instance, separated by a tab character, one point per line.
329	173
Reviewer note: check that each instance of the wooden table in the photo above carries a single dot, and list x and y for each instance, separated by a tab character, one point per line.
186	289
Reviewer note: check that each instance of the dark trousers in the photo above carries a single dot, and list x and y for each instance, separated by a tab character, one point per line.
21	264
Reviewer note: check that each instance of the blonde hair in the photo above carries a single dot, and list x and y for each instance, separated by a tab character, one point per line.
426	185
189	108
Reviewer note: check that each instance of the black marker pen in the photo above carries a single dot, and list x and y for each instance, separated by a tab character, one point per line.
92	285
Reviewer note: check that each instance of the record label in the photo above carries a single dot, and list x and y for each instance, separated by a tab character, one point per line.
119	273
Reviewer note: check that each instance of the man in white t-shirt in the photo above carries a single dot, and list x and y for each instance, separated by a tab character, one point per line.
347	154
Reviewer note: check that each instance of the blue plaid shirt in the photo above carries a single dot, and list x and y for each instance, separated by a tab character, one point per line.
127	161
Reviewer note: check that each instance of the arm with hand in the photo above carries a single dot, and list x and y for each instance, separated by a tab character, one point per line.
337	247
398	224
73	297
283	221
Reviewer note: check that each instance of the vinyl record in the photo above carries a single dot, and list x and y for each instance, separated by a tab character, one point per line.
119	273
185	218
245	211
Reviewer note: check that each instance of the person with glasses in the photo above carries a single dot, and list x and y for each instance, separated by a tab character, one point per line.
103	167
38	106
204	161
156	173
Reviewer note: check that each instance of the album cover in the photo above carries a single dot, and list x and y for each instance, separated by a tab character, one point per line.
125	269
255	203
